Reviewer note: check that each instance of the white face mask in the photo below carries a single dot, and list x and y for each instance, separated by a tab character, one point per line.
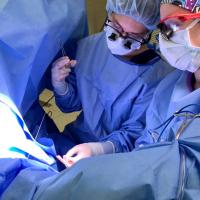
119	45
179	51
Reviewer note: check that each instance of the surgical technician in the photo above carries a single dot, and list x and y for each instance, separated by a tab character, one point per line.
179	42
113	81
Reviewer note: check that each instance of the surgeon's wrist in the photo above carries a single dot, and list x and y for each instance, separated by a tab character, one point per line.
61	88
99	148
108	147
96	148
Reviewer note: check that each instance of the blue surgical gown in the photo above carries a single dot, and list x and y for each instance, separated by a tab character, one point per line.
112	93
171	95
167	170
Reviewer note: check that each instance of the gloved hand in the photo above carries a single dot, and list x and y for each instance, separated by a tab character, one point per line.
86	150
60	70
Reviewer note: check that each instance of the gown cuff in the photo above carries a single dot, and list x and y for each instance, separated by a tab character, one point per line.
99	148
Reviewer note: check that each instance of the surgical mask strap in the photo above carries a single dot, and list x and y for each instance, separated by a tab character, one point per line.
193	24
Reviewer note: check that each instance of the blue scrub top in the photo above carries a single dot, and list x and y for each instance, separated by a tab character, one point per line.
172	94
112	93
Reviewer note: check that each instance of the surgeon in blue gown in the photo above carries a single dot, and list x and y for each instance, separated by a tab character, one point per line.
181	87
112	82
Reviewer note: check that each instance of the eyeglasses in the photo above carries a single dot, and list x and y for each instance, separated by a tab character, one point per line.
120	33
173	23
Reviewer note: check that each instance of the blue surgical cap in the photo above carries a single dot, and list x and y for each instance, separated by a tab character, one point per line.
146	12
192	5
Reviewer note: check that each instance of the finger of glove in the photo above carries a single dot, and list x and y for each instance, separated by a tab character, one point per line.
72	152
63	161
61	73
61	78
77	157
65	63
70	163
60	59
73	63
